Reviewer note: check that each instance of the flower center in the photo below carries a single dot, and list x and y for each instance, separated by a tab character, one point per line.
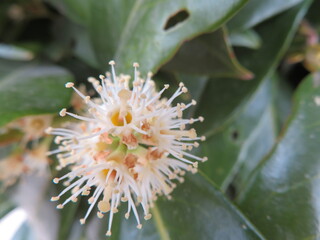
104	173
117	120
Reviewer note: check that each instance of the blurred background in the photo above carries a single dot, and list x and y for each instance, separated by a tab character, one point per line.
252	66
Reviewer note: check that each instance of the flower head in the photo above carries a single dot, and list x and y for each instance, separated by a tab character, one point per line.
23	161
129	146
11	168
28	151
33	127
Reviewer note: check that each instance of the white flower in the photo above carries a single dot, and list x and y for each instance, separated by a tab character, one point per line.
130	146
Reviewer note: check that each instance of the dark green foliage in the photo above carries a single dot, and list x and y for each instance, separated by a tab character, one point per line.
261	178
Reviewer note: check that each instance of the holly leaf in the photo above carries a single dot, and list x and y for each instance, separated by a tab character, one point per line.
246	38
229	124
198	204
210	54
289	176
150	33
257	11
33	90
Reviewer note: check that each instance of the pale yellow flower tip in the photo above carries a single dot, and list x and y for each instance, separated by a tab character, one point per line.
135	64
100	214
69	84
56	180
53	199
148	216
63	112
60	206
48	130
184	90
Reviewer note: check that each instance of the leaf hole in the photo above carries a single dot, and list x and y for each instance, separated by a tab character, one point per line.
234	135
176	18
231	192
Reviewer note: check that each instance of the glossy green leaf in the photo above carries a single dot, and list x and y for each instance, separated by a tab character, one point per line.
83	48
226	147
224	141
75	40
216	219
283	94
284	189
150	32
257	11
263	136
276	35
33	90
210	54
196	204
246	38
258	143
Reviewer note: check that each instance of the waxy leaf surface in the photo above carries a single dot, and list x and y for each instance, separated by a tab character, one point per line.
33	90
220	147
284	189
